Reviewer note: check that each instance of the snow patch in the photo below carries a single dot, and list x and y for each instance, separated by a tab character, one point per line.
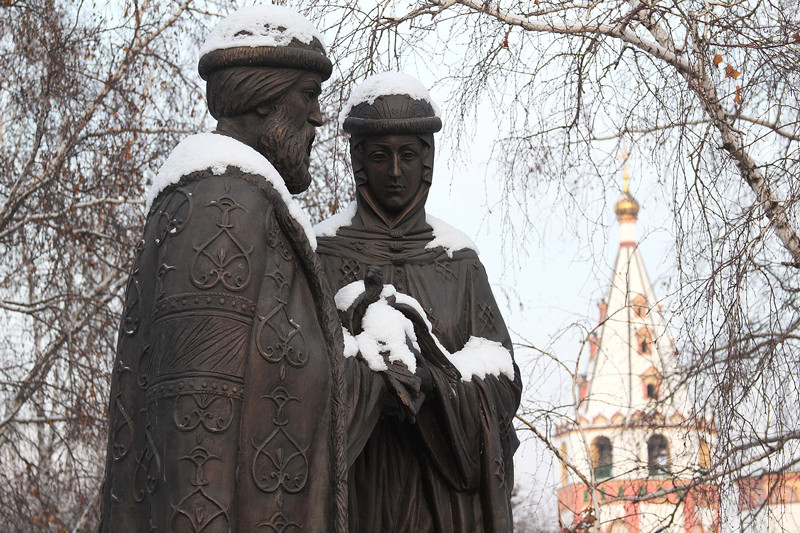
216	152
448	237
329	226
481	357
262	25
347	295
385	84
350	344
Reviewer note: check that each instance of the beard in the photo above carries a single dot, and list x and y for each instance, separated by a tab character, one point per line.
288	149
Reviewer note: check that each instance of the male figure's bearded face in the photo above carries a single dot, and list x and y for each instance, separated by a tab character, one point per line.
288	148
288	134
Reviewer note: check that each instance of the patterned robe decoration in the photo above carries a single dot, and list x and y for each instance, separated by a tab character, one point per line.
220	409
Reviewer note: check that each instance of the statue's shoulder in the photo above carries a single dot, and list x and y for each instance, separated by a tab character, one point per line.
209	155
451	239
212	154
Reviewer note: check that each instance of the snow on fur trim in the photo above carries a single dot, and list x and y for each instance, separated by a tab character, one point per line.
264	35
215	152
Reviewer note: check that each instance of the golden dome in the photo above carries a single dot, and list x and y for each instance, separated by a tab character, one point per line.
627	206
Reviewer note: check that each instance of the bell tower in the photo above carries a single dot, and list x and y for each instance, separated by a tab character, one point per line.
634	431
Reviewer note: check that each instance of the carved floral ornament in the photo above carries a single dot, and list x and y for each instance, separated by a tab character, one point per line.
222	258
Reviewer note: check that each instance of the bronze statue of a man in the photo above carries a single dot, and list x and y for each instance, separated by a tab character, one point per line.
221	398
450	470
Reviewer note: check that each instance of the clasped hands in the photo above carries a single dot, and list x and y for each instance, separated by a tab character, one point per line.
394	337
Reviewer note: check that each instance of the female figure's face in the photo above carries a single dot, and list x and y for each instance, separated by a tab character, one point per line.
393	166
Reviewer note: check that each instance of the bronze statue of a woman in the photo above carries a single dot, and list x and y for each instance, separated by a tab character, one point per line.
450	470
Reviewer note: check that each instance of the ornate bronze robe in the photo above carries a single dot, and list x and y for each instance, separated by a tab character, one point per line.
451	471
220	409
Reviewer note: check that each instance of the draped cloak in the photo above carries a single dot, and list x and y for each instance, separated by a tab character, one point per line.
220	410
452	470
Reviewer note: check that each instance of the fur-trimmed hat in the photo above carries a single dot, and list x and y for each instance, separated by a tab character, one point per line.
390	103
268	36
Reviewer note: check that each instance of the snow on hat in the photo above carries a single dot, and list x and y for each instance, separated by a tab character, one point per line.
388	103
265	35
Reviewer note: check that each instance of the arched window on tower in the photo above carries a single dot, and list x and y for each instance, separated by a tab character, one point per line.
704	456
650	383
639	306
564	473
644	341
657	455
602	457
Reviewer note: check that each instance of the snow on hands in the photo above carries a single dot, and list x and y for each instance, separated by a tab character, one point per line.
387	334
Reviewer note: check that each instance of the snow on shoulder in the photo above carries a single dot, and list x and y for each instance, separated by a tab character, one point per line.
329	226
216	152
448	237
444	235
262	25
386	84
